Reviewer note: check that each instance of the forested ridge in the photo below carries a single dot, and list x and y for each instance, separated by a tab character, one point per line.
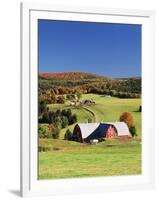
71	82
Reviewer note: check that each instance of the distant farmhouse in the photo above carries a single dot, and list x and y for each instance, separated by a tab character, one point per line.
86	132
89	101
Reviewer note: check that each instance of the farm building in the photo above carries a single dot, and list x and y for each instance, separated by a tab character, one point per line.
74	103
89	101
85	132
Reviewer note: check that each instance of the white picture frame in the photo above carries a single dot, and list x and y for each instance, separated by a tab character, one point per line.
30	185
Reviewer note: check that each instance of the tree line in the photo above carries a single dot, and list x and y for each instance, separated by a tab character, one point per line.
57	91
55	120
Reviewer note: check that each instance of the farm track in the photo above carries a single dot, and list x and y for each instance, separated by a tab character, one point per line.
93	113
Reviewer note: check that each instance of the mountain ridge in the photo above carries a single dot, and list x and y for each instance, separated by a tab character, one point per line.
78	75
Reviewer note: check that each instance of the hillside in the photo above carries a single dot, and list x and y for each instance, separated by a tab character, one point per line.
71	76
91	83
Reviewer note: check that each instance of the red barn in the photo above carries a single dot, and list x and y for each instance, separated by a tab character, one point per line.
89	131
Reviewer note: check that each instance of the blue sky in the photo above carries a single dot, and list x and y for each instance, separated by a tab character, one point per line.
106	49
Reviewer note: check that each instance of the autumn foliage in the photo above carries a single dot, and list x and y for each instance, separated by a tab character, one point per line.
128	119
71	82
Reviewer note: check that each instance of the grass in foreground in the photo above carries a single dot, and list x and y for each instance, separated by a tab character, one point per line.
68	159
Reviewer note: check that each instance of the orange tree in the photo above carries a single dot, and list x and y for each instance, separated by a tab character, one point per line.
128	119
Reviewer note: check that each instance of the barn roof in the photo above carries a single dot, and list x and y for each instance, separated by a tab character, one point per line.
88	128
121	127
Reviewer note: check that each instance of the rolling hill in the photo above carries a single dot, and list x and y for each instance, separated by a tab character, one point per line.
71	76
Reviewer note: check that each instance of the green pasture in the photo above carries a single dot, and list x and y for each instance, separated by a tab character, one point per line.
106	109
68	159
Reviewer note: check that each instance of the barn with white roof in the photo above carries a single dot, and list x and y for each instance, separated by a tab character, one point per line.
84	132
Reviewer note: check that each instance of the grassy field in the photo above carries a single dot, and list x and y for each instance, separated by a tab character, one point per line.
109	109
106	109
67	159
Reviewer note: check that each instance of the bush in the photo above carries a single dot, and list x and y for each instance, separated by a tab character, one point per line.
43	149
58	122
127	95
90	120
64	120
72	119
61	100
68	113
44	131
58	113
55	132
64	112
52	116
68	135
53	98
113	93
140	109
42	106
133	131
45	118
128	119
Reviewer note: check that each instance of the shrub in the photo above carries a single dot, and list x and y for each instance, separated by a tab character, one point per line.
133	131
68	113
72	119
68	135
140	109
64	112
128	119
43	149
44	131
64	121
56	148
61	100
58	122
42	106
53	99
113	93
45	118
90	120
52	116
55	132
58	113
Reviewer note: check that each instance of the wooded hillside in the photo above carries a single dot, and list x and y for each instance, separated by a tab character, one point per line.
70	82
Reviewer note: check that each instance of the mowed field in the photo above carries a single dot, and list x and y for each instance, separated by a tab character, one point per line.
68	159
